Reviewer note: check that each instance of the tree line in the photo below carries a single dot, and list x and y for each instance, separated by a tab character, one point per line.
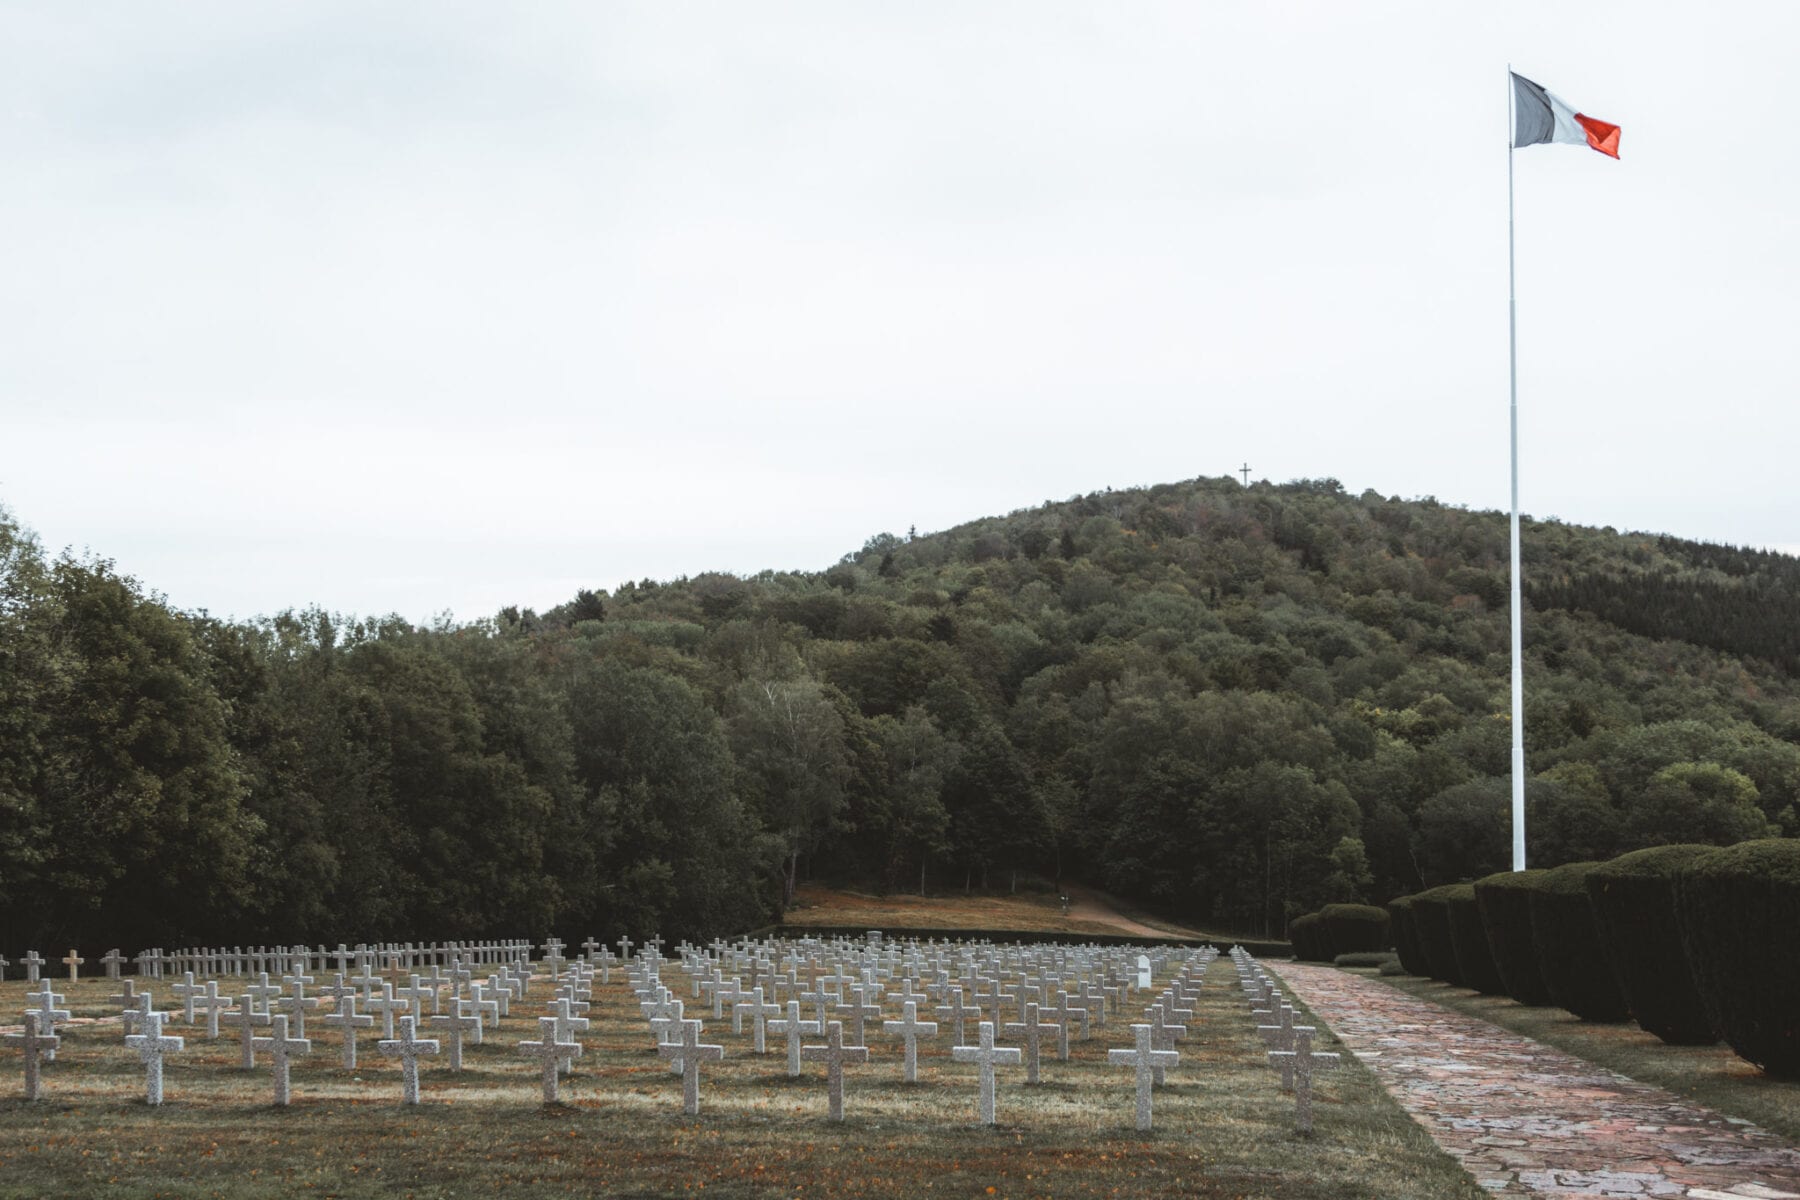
1231	704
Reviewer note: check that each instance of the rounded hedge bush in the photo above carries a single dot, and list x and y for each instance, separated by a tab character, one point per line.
1568	945
1431	917
1365	958
1634	903
1405	929
1355	928
1469	936
1505	901
1308	936
1739	909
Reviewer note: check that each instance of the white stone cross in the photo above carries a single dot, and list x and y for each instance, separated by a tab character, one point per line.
73	961
31	962
113	960
41	1005
834	1054
956	1012
387	1005
152	1046
408	1048
349	1020
689	1052
1303	1062
759	1011
37	1045
794	1027
860	1009
282	1049
454	1028
187	991
296	1003
213	1004
247	1019
987	1056
910	1028
567	1025
1032	1030
550	1053
1148	1062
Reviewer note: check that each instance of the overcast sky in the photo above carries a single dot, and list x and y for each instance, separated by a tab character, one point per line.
434	306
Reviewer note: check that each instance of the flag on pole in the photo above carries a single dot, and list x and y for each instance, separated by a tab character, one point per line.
1539	116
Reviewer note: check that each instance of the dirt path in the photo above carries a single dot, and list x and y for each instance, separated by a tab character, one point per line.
1525	1119
1086	904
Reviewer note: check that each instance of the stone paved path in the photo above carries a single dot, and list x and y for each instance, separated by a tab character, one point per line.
1528	1120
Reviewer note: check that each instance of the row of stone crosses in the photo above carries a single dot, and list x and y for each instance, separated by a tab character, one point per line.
842	985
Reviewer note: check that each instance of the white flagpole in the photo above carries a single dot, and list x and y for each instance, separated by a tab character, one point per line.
1518	660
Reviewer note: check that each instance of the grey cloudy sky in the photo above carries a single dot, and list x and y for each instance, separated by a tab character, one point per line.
438	306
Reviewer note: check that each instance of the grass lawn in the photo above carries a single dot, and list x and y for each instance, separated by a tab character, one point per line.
1709	1075
1223	1129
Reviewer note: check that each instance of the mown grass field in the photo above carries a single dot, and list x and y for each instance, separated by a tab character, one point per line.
1709	1075
1223	1129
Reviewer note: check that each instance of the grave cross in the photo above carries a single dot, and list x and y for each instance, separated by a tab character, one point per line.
152	1046
794	1027
860	1010
247	1019
282	1049
454	1028
986	1055
911	1029
37	1046
1148	1062
1062	1015
759	1011
73	961
956	1012
31	962
689	1052
1033	1031
186	991
834	1054
408	1048
349	1020
113	960
551	1054
1303	1062
212	1004
387	1004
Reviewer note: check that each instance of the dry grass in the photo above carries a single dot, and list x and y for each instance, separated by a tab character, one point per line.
1030	913
1709	1075
1223	1127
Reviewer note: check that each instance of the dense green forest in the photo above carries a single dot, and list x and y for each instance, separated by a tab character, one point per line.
1231	704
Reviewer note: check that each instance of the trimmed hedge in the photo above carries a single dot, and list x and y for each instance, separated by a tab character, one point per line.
1739	910
1431	918
1634	903
1308	935
1365	958
1505	901
1569	952
1469	936
1354	928
1406	936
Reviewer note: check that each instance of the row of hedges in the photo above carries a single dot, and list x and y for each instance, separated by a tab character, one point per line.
1694	942
1339	929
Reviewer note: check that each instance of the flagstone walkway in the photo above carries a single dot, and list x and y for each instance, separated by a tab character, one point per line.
1527	1120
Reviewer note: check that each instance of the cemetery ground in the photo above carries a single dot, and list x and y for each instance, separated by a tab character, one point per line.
1222	1126
1711	1076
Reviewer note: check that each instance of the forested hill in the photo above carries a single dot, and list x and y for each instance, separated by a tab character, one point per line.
1232	704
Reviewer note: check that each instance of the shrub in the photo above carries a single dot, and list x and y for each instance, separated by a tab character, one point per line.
1405	929
1634	903
1350	928
1739	908
1568	945
1308	935
1469	937
1393	967
1505	901
1365	958
1431	917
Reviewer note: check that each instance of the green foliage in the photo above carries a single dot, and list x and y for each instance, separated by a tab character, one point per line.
1505	902
1437	944
1235	706
1403	923
1307	933
1352	928
1570	954
1634	905
1739	908
1365	958
1474	957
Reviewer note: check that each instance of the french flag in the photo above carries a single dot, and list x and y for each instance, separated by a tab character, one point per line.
1539	116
